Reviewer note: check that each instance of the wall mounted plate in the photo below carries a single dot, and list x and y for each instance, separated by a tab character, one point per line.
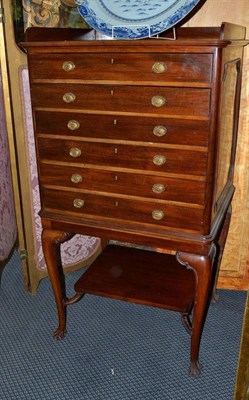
134	19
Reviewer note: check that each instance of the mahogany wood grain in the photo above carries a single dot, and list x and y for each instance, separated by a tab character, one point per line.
202	268
138	67
141	277
123	208
187	190
51	241
115	113
116	126
181	101
141	157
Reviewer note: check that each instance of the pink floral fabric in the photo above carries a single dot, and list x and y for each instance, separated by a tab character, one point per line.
8	227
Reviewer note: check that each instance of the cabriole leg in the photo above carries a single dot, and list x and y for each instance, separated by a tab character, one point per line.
202	268
51	241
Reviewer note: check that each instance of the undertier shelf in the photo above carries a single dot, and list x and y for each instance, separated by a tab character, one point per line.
139	276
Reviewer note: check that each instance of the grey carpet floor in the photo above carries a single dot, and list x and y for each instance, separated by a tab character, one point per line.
113	350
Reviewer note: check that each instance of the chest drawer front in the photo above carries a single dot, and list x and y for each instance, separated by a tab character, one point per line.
122	156
148	129
139	99
181	190
154	67
148	212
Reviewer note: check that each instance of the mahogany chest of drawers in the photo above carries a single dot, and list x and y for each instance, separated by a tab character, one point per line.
136	142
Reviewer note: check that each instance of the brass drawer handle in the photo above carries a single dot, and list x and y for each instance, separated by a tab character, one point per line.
68	66
69	97
158	101
159	160
73	125
159	67
158	188
78	203
75	152
157	215
76	178
159	130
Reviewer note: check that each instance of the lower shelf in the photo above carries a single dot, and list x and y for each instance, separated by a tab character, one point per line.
139	276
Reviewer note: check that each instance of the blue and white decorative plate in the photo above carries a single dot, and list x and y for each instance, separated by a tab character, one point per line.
134	19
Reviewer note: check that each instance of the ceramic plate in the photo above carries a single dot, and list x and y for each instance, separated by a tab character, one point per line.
134	19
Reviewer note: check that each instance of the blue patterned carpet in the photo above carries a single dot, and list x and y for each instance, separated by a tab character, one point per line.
113	350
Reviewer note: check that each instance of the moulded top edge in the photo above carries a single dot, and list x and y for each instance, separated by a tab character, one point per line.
130	43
